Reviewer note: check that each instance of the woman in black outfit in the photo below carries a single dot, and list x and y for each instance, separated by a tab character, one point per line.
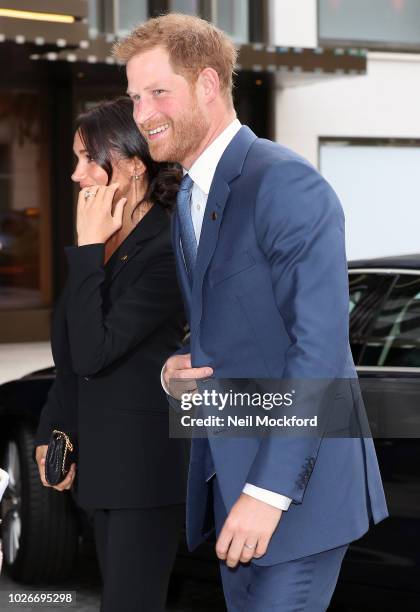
119	318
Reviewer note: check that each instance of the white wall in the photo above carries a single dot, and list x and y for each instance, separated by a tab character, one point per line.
293	23
384	103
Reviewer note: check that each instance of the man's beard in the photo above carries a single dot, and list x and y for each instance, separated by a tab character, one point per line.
185	137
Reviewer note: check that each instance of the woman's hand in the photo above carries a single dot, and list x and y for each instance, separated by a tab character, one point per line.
40	454
95	221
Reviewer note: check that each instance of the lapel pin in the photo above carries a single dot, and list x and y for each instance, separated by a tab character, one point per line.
214	215
124	258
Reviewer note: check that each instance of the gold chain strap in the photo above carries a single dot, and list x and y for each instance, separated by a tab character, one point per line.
68	446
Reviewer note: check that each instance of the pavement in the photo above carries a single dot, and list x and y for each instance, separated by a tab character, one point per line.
185	594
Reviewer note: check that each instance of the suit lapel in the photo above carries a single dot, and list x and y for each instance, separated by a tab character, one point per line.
229	167
151	224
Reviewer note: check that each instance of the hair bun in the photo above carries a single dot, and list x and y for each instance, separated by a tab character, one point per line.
164	186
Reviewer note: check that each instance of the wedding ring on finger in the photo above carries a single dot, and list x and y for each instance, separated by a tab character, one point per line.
89	194
250	547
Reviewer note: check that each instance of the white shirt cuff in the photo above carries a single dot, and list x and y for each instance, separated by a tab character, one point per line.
281	502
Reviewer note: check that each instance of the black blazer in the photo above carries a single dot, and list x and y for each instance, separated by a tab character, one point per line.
113	328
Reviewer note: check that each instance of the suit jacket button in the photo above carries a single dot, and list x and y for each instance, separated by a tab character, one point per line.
87	377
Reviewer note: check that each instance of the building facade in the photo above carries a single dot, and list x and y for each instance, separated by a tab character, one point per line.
318	76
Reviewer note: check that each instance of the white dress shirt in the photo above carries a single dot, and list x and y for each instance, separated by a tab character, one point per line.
202	173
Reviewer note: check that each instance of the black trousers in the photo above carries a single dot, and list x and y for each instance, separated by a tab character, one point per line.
136	550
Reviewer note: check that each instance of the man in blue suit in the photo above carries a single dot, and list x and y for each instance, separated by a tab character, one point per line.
259	242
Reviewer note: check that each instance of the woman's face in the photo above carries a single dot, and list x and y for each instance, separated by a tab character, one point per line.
88	173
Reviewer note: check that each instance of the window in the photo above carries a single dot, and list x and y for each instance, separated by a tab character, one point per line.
232	17
94	13
372	23
5	177
190	7
367	292
394	339
121	16
129	14
116	16
24	260
377	181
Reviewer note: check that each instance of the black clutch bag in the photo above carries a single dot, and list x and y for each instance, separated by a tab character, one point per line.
60	456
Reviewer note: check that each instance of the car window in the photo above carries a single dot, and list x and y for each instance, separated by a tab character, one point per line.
367	292
394	339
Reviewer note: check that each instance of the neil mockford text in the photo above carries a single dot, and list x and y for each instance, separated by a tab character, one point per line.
248	421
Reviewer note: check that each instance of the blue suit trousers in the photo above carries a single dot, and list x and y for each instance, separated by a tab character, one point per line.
301	585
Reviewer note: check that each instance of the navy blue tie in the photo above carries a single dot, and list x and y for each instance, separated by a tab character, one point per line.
188	239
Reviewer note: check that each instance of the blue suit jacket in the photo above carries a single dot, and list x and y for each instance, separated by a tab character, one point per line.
270	300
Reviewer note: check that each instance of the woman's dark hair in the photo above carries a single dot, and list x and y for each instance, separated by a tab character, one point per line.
109	132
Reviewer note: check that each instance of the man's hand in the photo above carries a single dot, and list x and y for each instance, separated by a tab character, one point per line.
40	454
179	377
96	219
247	531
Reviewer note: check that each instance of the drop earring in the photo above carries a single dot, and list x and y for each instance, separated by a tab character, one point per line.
136	178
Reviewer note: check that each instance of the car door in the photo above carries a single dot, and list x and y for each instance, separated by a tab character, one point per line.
368	290
390	361
385	338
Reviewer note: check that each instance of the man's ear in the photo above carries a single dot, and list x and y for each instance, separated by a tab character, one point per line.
209	83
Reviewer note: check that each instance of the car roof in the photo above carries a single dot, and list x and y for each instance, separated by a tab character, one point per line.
397	261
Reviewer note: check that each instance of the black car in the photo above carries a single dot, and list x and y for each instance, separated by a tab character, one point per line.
381	570
40	527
